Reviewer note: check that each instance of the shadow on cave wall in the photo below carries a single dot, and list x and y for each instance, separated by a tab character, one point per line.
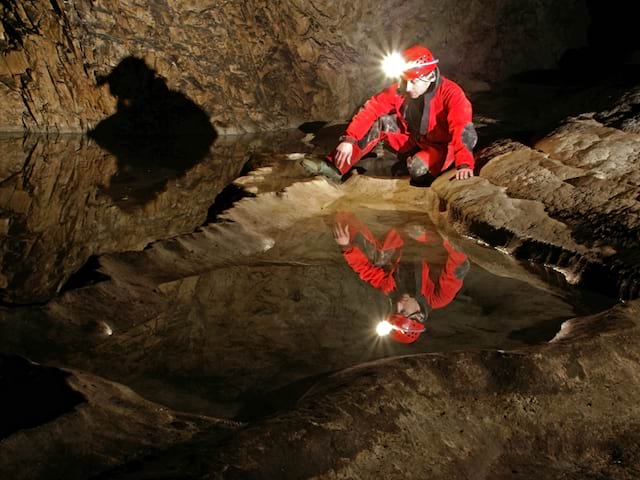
156	134
588	78
612	36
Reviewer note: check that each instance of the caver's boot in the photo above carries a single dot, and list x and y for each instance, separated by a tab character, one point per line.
420	174
319	166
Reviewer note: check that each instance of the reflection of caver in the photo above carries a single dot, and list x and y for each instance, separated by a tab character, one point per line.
414	288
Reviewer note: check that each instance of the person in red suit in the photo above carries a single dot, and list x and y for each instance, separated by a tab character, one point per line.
425	117
414	289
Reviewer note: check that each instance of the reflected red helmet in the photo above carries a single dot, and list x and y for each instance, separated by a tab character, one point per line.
420	62
406	330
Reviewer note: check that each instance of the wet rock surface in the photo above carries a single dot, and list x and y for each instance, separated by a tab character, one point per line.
258	317
564	410
211	322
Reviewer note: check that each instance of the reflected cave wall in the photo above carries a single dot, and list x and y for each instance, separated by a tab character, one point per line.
258	65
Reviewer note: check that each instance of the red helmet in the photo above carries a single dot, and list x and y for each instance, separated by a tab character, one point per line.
405	330
420	62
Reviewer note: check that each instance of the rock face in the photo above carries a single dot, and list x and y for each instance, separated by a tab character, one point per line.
256	65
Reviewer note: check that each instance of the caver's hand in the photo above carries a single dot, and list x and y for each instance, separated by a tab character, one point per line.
341	234
343	155
464	173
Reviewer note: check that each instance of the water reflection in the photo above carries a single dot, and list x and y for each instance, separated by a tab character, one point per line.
255	327
398	265
63	198
57	213
252	309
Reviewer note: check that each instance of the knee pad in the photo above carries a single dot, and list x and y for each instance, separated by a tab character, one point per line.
469	136
386	123
462	270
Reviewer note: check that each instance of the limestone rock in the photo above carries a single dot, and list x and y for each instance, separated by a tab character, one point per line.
566	409
267	286
257	65
551	412
624	114
583	181
256	316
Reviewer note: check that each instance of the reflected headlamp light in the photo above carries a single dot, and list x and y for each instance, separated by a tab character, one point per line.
400	328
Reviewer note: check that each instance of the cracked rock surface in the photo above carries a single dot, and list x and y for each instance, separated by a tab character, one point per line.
256	65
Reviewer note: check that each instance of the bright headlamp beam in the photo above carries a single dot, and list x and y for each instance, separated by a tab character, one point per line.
384	328
393	65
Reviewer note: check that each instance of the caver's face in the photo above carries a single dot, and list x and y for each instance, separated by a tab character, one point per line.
407	305
418	86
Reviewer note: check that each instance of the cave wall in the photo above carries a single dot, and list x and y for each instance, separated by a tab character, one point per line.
256	64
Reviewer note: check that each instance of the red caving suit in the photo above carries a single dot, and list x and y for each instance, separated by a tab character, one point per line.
437	126
381	272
